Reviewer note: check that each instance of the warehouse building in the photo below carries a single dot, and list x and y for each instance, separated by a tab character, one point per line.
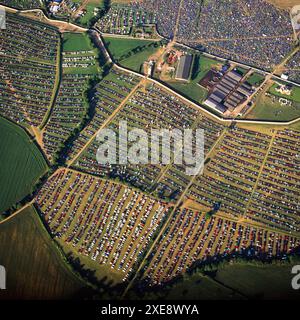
229	93
184	68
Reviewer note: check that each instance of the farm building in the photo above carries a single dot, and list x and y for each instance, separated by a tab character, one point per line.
184	68
229	93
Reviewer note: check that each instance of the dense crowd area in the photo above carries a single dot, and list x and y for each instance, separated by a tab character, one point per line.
148	109
71	105
67	114
113	226
166	15
192	238
253	32
276	199
28	53
293	68
246	202
121	18
108	95
22	4
230	177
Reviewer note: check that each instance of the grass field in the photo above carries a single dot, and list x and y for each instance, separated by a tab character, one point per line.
136	61
35	268
202	65
295	96
21	164
261	282
191	90
240	280
296	126
266	109
241	71
120	47
198	287
90	7
74	46
255	79
76	42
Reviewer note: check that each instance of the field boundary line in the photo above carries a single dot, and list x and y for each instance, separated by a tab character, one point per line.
260	172
56	88
29	204
172	213
105	123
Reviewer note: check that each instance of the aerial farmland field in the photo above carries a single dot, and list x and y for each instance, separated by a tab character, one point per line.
131	53
22	164
76	42
149	150
123	218
43	272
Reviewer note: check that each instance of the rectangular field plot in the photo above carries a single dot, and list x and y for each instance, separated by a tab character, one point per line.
121	18
151	107
79	66
190	237
276	199
80	62
110	224
230	176
36	268
67	114
79	56
175	180
22	164
108	96
28	56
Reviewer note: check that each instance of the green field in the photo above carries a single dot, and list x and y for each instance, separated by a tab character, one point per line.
80	42
191	90
202	65
267	109
119	47
76	42
230	281
90	12
241	71
295	96
21	164
295	126
35	267
198	287
261	282
122	51
255	79
135	62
